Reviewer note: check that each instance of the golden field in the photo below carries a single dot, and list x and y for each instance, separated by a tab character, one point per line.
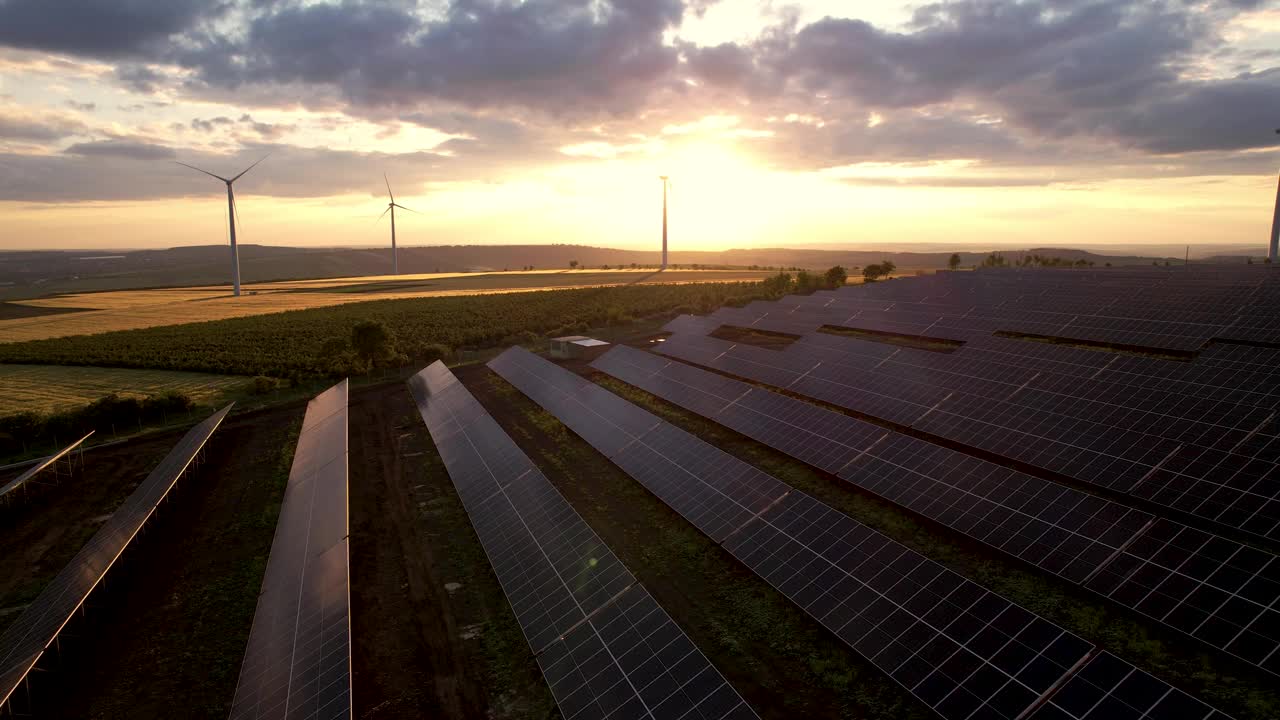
49	388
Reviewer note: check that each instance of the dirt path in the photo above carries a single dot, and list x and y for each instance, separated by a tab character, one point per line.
407	654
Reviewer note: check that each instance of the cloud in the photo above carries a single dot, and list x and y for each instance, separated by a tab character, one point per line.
561	57
211	124
1099	88
16	124
122	149
1097	71
139	78
99	28
82	107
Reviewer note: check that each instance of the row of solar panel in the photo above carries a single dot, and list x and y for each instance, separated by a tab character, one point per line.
964	652
1254	386
1214	589
39	467
605	646
1104	319
1226	487
298	660
35	630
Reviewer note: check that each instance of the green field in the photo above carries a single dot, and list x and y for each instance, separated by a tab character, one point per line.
50	388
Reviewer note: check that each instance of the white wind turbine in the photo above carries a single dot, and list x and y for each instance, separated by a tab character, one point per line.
391	208
232	215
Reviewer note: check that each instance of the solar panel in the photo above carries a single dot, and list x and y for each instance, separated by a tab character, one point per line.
1205	586
298	659
25	641
961	650
39	467
605	646
1110	456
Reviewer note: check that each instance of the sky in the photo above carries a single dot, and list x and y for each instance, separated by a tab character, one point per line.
982	123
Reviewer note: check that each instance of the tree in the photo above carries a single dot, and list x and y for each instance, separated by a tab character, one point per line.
806	282
995	259
954	261
372	343
836	277
873	272
573	264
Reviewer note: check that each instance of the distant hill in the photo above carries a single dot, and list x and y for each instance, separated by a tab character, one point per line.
28	274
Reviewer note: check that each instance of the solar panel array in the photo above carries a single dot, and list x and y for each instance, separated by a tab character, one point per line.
963	651
605	646
1212	588
26	640
1203	447
40	467
297	663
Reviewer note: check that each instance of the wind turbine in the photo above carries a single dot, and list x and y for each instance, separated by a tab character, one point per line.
232	215
666	182
1275	226
391	208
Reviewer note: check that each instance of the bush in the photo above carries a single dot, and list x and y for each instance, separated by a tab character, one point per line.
261	385
110	414
427	353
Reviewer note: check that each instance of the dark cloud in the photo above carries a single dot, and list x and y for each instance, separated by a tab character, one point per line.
99	28
121	149
139	78
211	124
1051	69
37	128
563	57
82	106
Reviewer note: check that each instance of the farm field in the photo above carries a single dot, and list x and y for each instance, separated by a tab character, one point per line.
293	344
92	313
50	388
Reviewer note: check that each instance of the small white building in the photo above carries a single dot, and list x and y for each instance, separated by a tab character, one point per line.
573	346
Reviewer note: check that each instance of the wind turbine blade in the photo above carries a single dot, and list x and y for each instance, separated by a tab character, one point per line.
264	157
206	172
388	182
384	214
415	212
236	206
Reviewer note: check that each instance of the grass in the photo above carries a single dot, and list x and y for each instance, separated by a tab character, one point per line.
1100	346
918	342
50	388
1228	684
132	309
762	642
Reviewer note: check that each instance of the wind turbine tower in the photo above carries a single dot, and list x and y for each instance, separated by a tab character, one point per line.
391	208
1275	225
231	216
666	182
